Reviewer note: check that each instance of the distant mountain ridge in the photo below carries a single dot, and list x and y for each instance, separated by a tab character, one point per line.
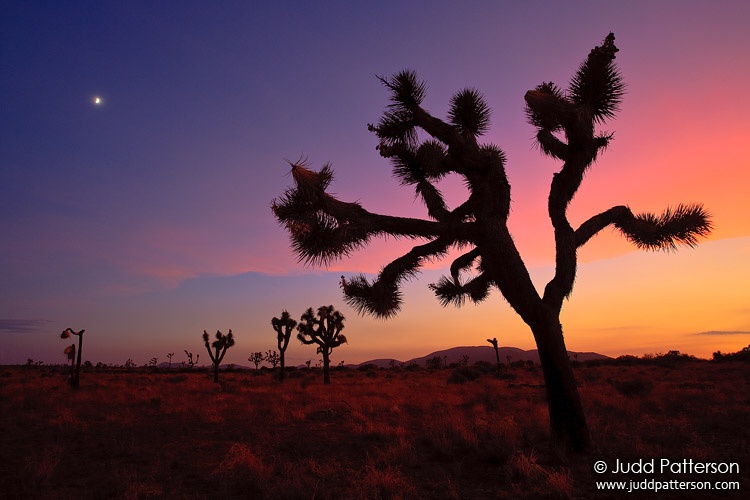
482	353
452	355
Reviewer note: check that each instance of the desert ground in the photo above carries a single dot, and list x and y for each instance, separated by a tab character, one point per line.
461	432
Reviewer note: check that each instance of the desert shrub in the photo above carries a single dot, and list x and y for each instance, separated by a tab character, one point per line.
485	366
530	477
741	355
378	483
633	387
672	359
434	363
463	374
177	379
294	373
242	471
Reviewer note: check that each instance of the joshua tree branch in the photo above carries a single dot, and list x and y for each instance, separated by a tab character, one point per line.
591	227
451	292
383	297
683	225
462	262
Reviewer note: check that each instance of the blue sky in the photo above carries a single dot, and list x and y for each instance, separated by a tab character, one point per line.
146	219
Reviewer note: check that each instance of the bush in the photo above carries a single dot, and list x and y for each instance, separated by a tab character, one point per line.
741	355
434	363
633	387
463	374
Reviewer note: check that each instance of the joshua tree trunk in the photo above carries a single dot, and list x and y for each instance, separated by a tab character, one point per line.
493	341
567	419
77	377
326	367
216	373
72	367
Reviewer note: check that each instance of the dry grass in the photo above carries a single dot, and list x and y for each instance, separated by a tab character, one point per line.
375	434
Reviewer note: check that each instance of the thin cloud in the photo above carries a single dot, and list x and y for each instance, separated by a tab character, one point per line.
724	332
23	325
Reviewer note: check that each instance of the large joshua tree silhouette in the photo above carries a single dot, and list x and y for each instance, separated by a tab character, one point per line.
324	329
283	327
220	345
323	228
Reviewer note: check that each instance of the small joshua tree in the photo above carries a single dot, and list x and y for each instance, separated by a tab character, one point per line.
272	357
75	376
324	329
169	356
220	345
256	358
283	327
190	362
493	341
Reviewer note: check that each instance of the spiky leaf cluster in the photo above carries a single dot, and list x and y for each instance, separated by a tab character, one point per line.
683	225
598	84
397	125
470	112
321	228
69	331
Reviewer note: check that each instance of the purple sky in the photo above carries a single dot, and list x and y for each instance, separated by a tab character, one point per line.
145	219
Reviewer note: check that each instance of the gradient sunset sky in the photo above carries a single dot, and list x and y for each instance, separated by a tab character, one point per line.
145	218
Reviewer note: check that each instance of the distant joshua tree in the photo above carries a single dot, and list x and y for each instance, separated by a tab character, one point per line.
493	341
283	327
272	357
75	377
190	362
324	228
169	356
256	358
324	329
220	345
